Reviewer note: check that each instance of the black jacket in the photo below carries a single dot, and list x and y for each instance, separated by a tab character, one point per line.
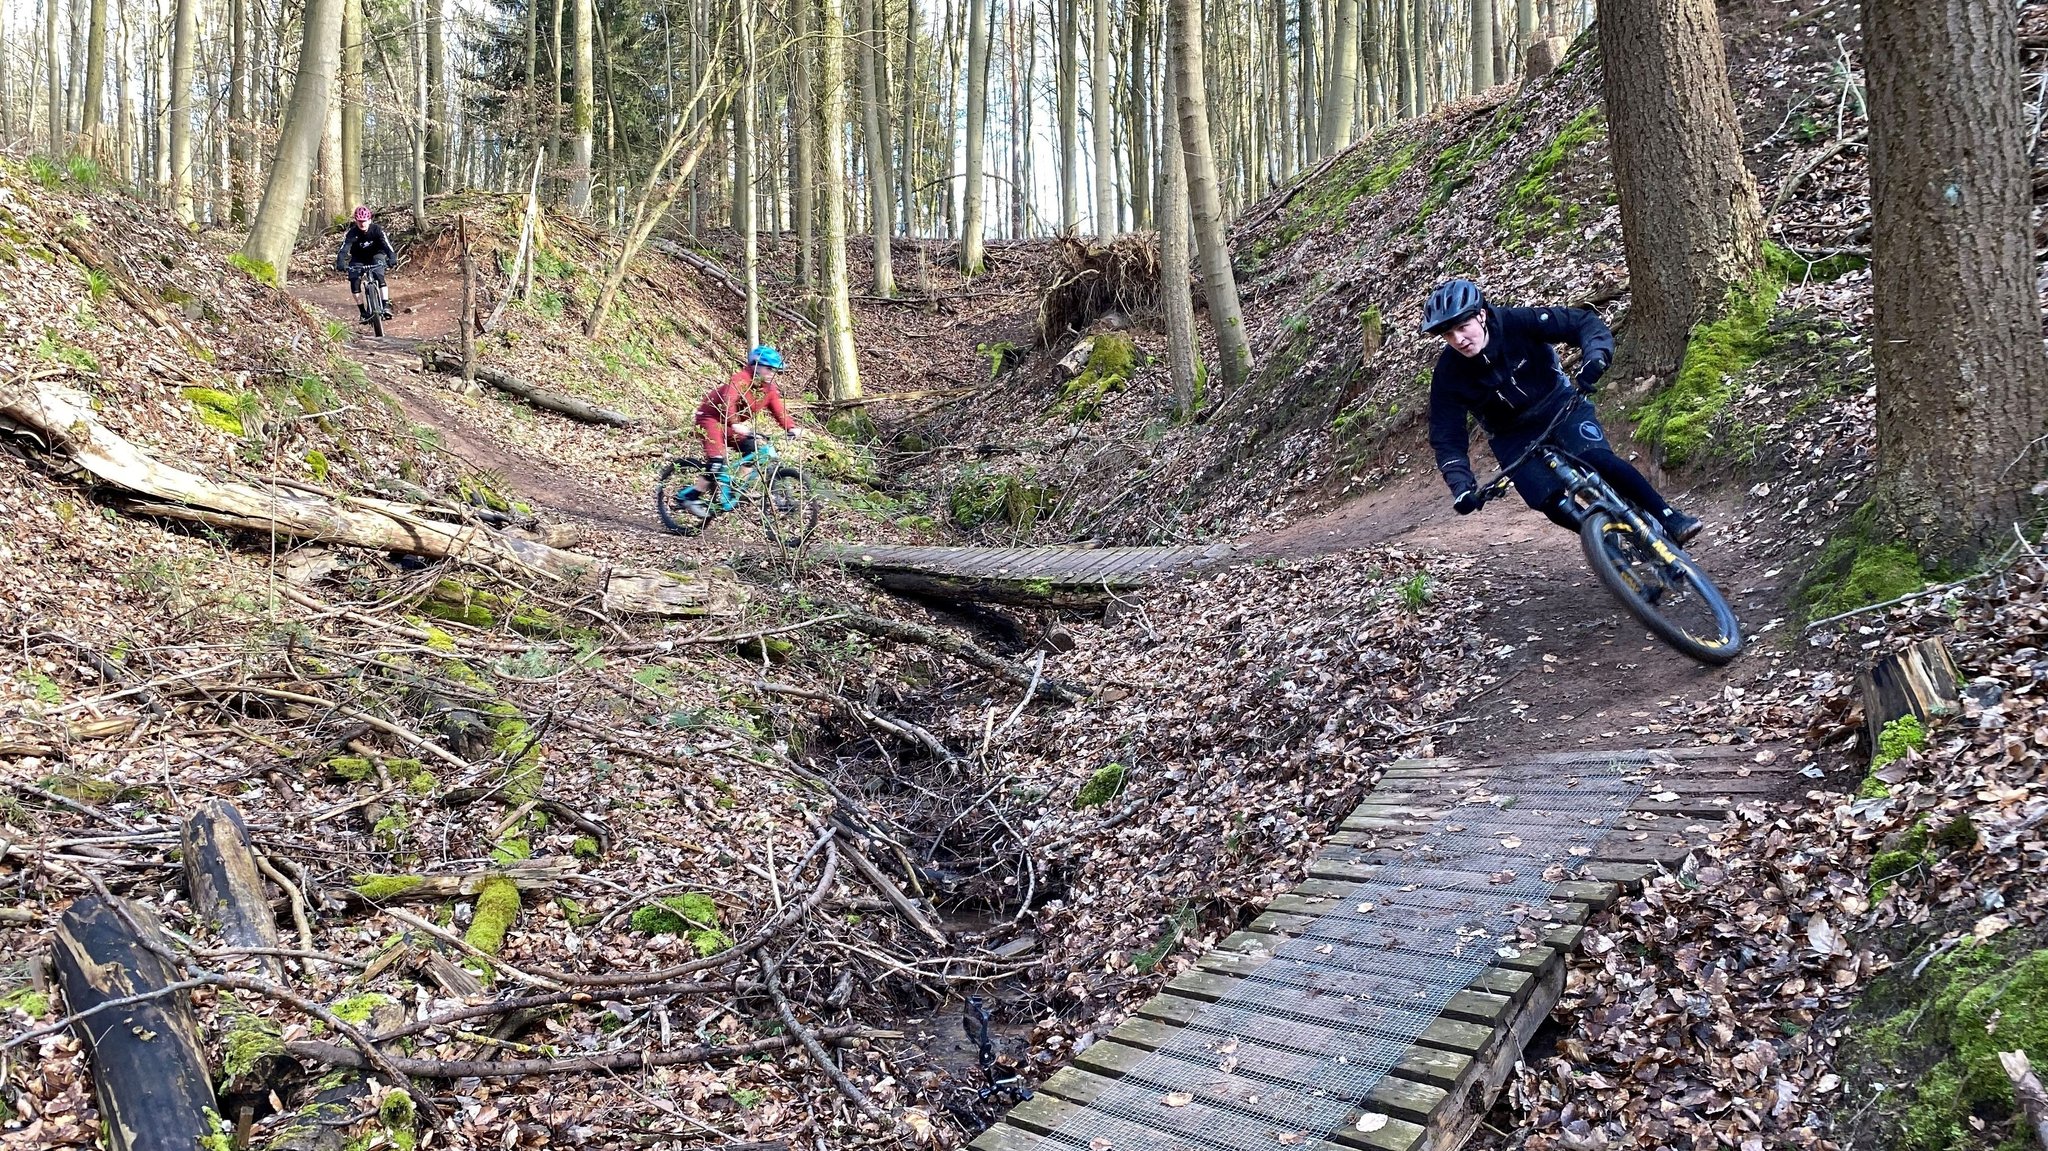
1515	381
364	246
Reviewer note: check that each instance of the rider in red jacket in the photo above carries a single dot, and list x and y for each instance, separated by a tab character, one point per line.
724	418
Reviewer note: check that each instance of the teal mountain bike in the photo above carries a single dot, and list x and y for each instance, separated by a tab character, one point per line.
757	480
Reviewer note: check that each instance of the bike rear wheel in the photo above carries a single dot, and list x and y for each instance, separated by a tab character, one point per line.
676	478
1673	597
789	508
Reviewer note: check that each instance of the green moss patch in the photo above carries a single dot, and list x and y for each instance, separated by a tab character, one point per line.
230	412
1101	787
1533	206
250	1041
497	905
357	1009
260	271
1861	565
1900	736
1939	1037
1679	420
384	888
28	1000
1111	362
1455	166
979	496
457	602
694	917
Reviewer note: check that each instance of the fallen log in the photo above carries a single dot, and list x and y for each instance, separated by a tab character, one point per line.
225	884
326	1122
340	1056
962	649
534	394
148	1067
66	419
527	874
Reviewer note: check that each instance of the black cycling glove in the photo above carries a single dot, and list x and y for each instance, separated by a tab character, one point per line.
1466	501
1590	371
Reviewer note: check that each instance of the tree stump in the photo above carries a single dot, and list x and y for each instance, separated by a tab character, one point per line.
225	884
1919	681
1545	54
148	1067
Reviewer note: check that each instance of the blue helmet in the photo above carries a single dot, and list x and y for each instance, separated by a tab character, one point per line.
1451	304
765	356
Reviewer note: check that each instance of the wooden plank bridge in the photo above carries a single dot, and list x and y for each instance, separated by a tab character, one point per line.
1056	576
1261	1043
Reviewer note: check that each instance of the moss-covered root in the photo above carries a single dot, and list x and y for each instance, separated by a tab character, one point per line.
693	916
497	905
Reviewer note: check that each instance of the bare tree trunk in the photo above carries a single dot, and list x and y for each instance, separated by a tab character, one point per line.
1137	29
350	98
837	325
238	111
977	134
291	170
1689	214
583	114
803	111
1525	24
872	117
906	168
743	177
95	76
1962	386
1205	201
419	115
184	39
437	88
1101	121
1482	45
1176	298
555	64
1342	90
1067	85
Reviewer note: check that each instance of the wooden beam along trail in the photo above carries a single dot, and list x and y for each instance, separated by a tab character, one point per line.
1060	576
1478	873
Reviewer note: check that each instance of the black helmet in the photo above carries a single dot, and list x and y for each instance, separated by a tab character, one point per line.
1451	304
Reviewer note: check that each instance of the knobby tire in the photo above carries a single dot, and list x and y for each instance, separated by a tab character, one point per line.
675	477
789	509
1616	556
373	294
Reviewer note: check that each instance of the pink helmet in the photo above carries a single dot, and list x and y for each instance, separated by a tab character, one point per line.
362	213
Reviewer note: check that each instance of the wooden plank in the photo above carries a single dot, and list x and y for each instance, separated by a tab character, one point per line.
1446	1070
1195	1124
1454	1035
1006	1137
1405	1099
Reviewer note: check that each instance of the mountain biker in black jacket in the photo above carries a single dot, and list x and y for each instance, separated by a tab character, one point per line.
364	249
1499	366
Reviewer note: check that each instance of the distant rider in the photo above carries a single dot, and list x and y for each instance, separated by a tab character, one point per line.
1498	366
365	250
724	418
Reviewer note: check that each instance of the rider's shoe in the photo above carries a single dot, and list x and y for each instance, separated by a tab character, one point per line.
1681	528
694	503
362	313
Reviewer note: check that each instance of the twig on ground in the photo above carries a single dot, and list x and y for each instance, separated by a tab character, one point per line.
816	1050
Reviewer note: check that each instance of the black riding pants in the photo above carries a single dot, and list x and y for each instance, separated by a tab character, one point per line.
1578	435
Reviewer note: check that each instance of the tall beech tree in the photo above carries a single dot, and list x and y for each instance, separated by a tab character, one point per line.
1962	384
1690	220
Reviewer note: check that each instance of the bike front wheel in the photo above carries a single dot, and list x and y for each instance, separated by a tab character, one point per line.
373	294
789	508
676	479
1672	597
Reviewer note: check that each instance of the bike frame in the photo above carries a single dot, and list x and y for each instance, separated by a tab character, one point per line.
730	490
1587	489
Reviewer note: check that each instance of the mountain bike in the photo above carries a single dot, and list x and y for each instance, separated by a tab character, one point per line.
782	493
374	296
1628	550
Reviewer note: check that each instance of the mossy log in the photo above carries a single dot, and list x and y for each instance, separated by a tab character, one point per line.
149	1069
527	874
225	885
1919	681
534	394
65	418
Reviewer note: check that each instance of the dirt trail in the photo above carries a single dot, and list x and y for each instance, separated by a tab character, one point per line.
1575	667
1582	670
424	303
